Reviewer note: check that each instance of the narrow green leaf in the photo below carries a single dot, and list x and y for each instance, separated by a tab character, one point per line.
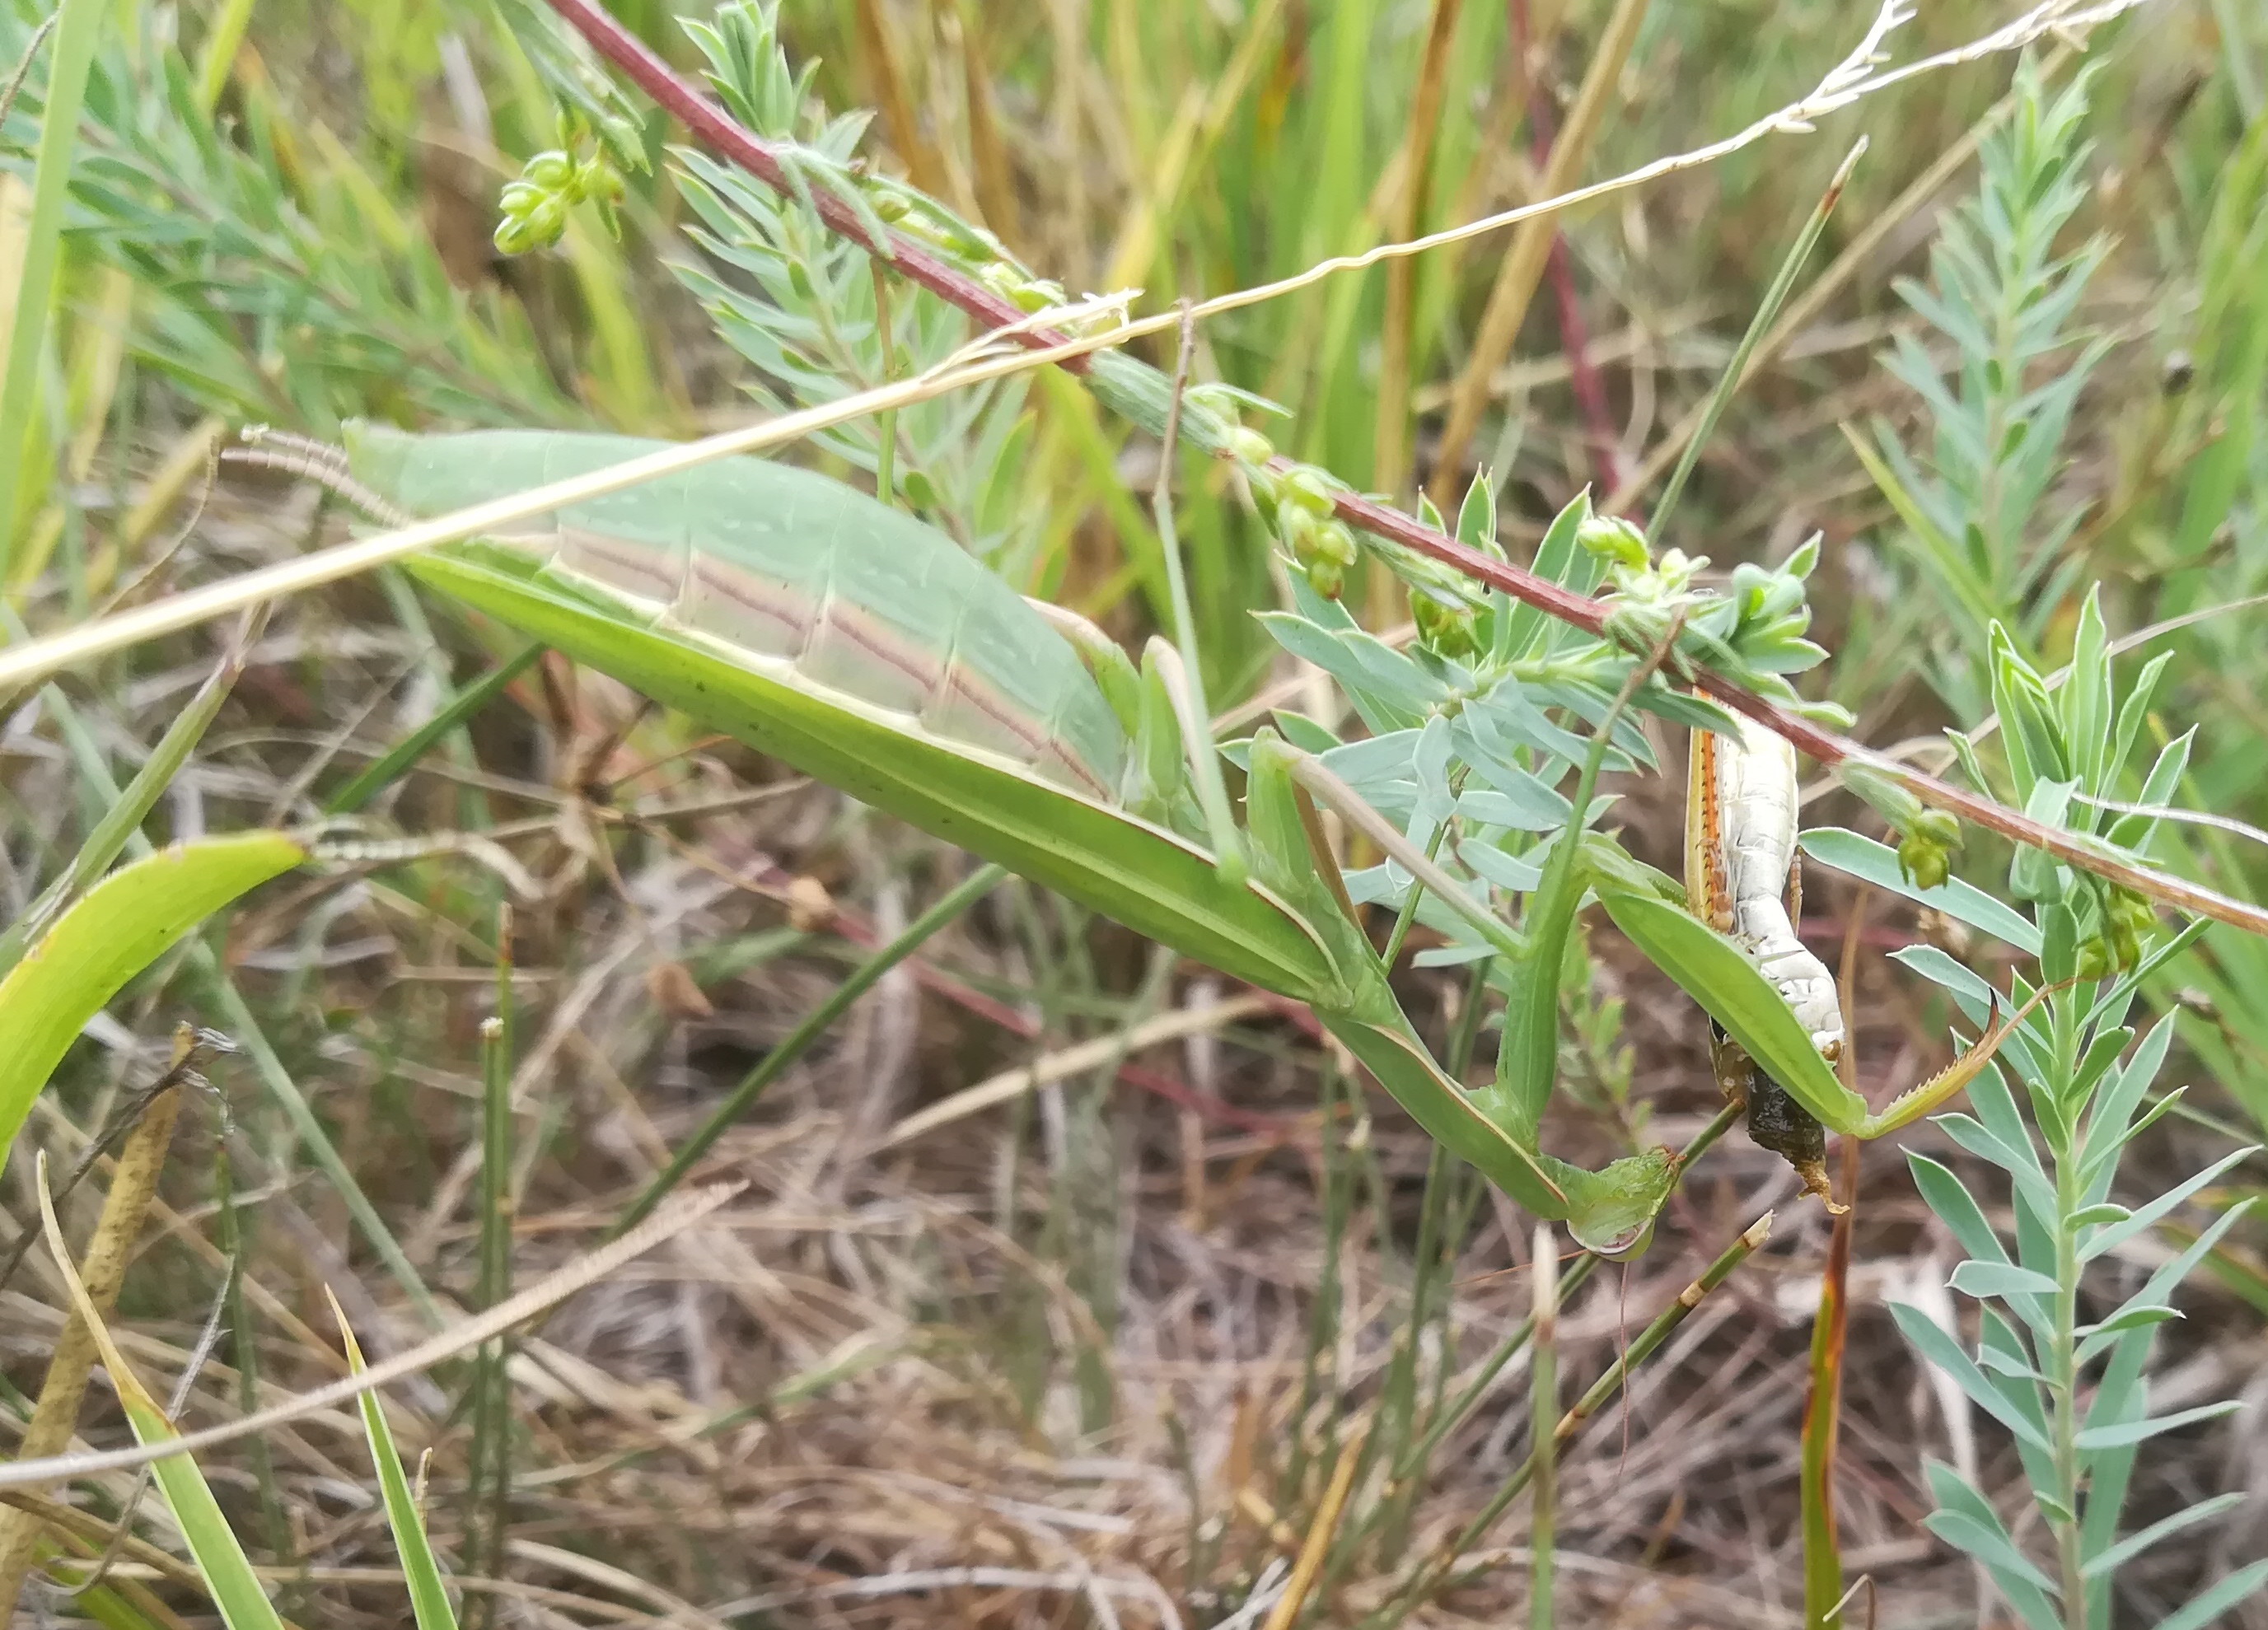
1957	1207
2238	1586
1953	1493
1974	1278
1988	1545
2126	1432
429	1598
1941	1350
2142	1216
2128	1319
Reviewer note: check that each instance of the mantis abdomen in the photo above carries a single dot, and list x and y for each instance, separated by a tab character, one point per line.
905	627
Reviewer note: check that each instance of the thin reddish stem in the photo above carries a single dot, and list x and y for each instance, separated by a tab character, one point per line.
1583	377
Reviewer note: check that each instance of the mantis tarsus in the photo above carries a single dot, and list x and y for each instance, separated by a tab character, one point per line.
868	651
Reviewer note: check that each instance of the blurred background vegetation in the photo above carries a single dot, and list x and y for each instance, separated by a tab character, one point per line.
1095	1338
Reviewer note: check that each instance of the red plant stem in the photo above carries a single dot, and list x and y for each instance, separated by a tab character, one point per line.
728	139
1583	378
705	119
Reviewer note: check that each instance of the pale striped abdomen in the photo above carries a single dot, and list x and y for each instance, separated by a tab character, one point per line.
796	576
1742	825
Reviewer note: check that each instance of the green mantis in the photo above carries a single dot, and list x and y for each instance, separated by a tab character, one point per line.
867	649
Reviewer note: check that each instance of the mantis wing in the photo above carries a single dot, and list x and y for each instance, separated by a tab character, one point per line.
803	617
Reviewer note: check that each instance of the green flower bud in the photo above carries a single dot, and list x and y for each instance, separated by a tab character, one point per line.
1926	862
1310	489
1251	445
1326	578
601	181
1335	541
1449	630
1297	528
1612	538
550	169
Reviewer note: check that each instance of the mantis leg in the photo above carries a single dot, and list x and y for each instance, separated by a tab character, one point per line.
1911	1106
1611	1212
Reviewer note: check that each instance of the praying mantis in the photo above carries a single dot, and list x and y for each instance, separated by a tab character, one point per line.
867	649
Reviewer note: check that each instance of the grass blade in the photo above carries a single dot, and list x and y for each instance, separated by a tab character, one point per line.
382	772
226	1571
1767	311
816	1024
429	1598
79	26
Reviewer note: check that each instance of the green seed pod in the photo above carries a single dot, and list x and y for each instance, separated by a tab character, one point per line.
1297	528
2095	959
1311	489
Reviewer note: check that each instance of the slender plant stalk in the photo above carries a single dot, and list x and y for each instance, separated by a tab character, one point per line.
1317	1545
76	33
54	1418
382	772
798	1041
1822	1551
1432	1574
489	1494
1767	312
1823	1404
1543	1416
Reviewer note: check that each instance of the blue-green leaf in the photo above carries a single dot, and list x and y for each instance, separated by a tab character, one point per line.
2122	1433
1878	864
1943	1351
2142	1216
2238	1586
1975	1278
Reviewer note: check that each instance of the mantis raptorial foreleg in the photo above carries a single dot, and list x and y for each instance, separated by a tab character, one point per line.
1611	1211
